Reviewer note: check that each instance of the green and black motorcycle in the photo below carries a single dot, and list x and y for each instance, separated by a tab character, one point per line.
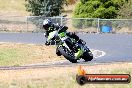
70	48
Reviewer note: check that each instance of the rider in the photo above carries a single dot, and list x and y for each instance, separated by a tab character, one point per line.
50	27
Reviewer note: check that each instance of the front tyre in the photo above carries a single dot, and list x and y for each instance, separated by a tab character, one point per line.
58	53
67	55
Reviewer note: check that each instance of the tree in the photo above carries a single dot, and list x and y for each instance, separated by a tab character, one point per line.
98	8
70	2
105	9
126	10
44	7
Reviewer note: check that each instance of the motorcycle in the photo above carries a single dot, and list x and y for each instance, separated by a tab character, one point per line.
70	49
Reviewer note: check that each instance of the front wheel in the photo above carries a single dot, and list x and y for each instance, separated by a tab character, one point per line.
58	53
87	56
67	55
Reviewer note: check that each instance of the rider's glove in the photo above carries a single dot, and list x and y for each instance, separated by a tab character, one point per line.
80	41
45	35
47	43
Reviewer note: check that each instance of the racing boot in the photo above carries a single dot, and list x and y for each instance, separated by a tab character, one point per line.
78	54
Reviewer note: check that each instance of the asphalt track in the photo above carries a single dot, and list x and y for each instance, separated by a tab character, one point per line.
118	47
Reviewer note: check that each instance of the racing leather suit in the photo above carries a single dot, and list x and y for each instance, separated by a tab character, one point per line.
56	27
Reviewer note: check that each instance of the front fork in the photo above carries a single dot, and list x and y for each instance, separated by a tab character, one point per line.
80	52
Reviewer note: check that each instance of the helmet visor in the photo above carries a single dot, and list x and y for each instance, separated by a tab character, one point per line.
46	27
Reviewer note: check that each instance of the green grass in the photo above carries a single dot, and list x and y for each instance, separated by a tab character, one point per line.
12	57
12	54
16	54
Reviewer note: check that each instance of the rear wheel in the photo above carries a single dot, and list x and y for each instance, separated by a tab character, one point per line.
67	55
87	56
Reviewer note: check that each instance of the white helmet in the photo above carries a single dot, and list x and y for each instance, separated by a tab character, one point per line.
46	24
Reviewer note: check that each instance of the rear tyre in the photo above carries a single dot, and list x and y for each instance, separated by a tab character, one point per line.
87	56
67	55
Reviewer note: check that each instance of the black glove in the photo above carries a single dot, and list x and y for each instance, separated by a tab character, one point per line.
47	43
46	35
81	41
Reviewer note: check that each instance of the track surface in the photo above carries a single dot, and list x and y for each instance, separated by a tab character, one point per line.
118	47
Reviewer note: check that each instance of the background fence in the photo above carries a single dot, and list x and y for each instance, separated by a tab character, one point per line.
90	25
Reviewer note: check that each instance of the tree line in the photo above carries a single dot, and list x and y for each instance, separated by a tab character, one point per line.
108	9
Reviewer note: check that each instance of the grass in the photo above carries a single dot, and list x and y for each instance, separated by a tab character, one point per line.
13	6
7	56
14	54
60	77
21	54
